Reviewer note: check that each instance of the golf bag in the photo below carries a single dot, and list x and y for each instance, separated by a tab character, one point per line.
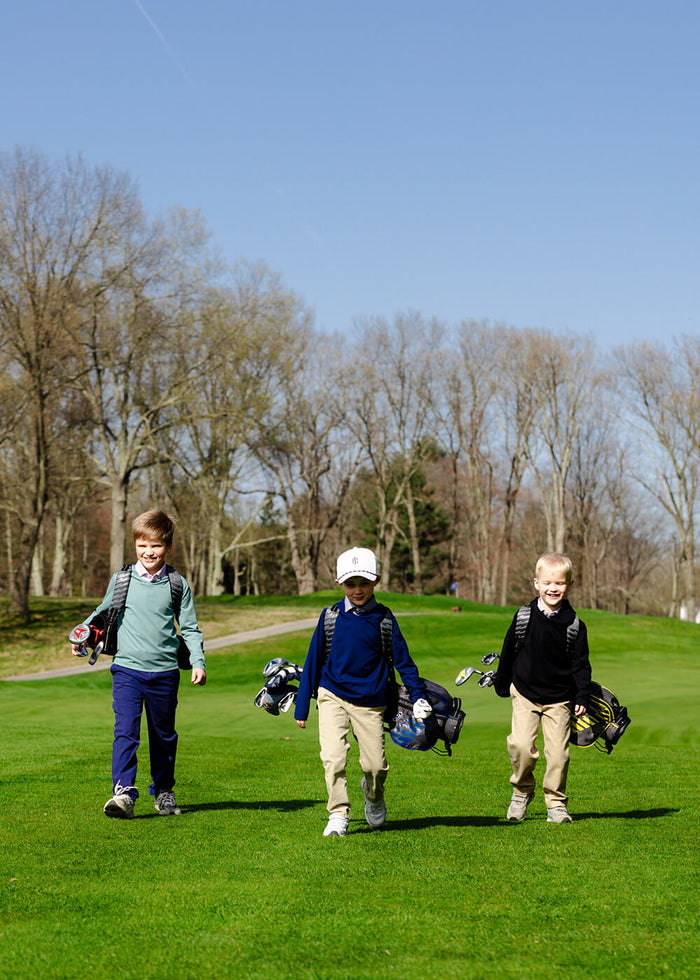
603	724
89	639
444	724
109	621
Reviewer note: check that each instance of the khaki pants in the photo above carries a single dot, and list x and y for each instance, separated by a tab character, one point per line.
555	720
335	716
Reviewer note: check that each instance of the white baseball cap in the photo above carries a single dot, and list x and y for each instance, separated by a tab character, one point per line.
357	561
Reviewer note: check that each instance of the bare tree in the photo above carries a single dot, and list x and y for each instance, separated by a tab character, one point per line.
52	221
136	313
566	380
248	332
660	386
309	452
397	373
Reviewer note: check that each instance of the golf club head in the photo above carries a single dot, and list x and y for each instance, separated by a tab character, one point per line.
263	699
465	673
487	679
79	635
273	667
489	658
99	647
288	700
292	672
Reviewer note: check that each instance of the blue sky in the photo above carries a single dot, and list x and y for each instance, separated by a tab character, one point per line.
535	163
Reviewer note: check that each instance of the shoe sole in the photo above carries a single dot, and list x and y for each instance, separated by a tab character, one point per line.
117	812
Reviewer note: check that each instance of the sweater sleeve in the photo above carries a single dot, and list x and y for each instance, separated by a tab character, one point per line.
189	627
504	672
581	667
405	665
308	683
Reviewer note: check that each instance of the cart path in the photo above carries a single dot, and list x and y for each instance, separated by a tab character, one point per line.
221	641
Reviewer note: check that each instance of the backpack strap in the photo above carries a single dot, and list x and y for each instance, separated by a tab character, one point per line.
175	590
329	619
523	618
386	629
121	587
571	634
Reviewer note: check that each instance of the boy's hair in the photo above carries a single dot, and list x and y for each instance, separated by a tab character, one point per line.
156	524
553	559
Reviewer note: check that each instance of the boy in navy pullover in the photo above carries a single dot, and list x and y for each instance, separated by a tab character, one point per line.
351	689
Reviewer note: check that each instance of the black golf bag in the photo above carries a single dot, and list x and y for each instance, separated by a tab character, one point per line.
603	724
444	724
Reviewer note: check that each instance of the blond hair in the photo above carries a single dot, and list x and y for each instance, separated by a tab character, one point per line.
554	560
156	524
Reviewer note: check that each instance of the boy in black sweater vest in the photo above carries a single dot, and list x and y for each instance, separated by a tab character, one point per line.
547	677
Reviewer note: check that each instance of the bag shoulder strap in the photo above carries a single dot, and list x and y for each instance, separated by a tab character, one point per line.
523	618
386	628
329	619
121	587
571	634
175	590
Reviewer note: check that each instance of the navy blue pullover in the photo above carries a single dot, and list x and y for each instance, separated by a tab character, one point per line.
356	670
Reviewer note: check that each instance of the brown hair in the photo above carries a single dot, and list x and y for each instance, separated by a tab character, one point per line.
156	524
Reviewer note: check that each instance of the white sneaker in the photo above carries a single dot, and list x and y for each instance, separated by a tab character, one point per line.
375	811
337	826
558	814
165	804
518	806
121	805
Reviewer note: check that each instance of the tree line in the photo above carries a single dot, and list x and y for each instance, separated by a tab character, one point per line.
138	369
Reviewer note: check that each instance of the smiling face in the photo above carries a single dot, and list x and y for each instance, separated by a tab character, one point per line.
151	552
552	584
358	590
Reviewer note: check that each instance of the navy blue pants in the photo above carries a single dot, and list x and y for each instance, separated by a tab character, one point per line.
132	690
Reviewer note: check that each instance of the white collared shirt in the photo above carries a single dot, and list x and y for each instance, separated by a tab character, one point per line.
143	573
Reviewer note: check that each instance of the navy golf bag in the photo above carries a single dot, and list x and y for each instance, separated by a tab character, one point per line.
444	724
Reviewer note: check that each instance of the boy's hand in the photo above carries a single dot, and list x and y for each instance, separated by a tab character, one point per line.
579	710
199	676
422	709
300	723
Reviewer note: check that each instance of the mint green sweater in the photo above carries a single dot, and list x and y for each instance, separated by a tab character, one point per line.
146	637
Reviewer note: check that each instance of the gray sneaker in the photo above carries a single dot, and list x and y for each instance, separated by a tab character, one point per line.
165	804
518	806
375	811
558	814
121	804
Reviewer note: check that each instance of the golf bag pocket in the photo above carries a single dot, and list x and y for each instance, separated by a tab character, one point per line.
444	724
604	723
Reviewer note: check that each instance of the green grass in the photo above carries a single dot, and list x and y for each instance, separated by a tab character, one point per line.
243	884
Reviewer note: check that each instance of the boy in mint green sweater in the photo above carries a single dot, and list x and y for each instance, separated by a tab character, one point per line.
145	671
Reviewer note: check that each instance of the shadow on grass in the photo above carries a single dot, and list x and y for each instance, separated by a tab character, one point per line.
285	806
421	822
628	814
